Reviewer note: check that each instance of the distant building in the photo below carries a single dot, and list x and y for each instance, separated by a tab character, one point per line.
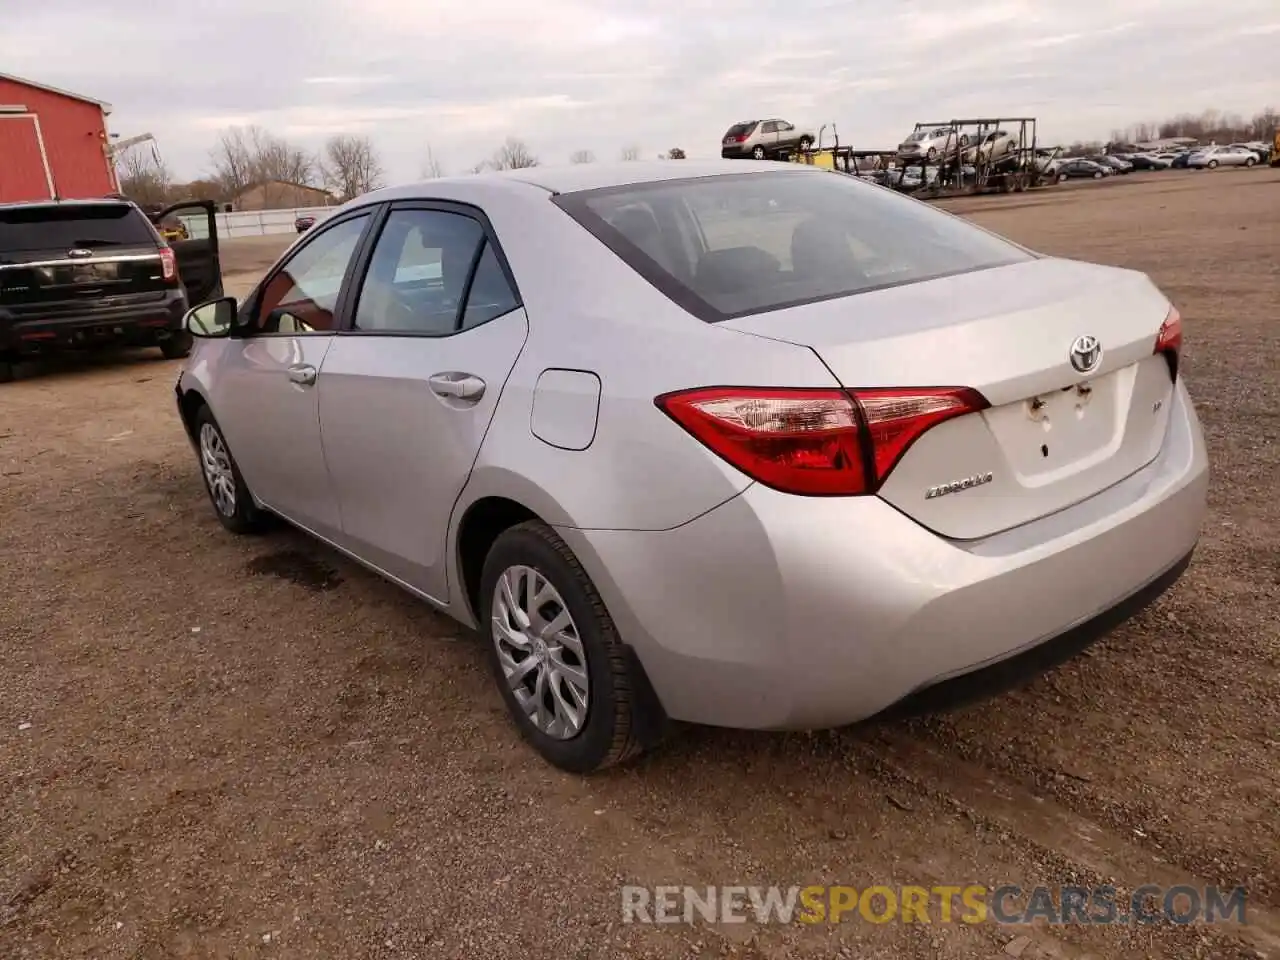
1168	143
53	143
281	195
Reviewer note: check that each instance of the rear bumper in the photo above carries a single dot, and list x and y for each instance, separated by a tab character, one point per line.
91	324
781	612
1006	674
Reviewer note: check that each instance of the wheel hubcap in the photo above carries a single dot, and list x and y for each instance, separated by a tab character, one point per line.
216	462
540	652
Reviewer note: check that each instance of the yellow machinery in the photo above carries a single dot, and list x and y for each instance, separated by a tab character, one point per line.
173	229
826	159
1275	149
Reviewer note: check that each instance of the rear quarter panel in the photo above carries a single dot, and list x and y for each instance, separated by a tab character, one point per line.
589	311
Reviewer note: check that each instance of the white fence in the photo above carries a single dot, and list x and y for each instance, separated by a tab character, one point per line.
256	223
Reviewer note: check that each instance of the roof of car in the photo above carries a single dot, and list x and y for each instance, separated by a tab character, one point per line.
590	176
485	187
97	202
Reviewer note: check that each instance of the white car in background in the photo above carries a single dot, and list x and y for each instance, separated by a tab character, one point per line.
929	143
1259	150
991	145
1211	157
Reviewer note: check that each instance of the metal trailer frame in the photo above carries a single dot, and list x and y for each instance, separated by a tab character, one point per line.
841	159
1015	171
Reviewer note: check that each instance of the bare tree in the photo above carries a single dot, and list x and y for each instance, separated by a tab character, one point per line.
1209	125
630	153
582	156
675	153
234	160
144	178
351	166
245	156
514	154
431	169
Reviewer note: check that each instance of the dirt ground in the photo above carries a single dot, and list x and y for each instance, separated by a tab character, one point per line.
224	747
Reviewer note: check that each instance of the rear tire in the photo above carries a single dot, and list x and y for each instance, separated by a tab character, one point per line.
617	716
1249	161
805	144
1063	178
758	153
177	346
8	371
1098	175
232	502
1212	164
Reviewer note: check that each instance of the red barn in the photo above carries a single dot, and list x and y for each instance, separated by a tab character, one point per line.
52	143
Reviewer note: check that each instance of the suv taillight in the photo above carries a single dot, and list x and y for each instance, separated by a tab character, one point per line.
168	263
1169	340
815	442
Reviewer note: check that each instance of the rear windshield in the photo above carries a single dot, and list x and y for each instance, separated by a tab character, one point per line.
740	129
740	244
78	225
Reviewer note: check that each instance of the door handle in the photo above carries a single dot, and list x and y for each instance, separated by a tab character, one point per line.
462	386
302	373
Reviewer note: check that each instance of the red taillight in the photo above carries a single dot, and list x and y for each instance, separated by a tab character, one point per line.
1169	340
896	418
168	264
815	442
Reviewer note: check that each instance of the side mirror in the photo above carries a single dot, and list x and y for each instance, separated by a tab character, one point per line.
212	319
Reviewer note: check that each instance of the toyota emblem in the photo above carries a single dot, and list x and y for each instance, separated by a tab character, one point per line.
1086	353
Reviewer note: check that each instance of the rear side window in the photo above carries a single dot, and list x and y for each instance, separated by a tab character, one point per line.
735	245
73	225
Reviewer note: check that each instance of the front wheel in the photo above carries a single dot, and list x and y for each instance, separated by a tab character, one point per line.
1098	175
231	499
1249	162
570	684
932	154
806	144
1062	178
8	370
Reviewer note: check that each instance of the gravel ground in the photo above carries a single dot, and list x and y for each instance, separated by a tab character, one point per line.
218	747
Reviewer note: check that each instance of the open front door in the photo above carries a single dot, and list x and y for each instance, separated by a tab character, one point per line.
191	228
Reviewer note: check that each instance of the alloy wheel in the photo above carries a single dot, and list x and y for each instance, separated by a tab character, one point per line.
540	652
216	461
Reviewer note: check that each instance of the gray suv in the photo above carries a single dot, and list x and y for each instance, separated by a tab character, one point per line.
762	139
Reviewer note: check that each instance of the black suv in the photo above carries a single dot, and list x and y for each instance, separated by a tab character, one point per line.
86	273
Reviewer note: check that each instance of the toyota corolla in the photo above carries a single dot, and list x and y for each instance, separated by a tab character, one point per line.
752	445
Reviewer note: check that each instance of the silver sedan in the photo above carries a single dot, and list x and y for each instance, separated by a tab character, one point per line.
734	443
1210	157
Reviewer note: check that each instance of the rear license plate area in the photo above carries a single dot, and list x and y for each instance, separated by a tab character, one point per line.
1063	430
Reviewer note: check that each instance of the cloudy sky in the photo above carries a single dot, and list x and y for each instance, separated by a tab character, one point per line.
457	76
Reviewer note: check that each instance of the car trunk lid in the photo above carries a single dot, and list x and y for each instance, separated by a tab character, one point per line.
1053	435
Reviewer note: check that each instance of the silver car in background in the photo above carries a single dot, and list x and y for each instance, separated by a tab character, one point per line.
1210	157
733	443
931	143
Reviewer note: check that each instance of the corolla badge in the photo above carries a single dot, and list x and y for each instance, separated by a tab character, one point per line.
1086	353
955	486
79	252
